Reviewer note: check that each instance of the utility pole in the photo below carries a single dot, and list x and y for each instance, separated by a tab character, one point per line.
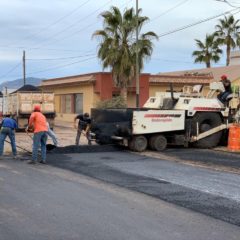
24	68
137	62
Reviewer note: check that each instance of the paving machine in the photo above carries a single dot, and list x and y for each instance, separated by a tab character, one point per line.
186	118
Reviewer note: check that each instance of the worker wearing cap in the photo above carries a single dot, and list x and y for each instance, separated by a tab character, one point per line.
8	129
228	90
38	121
83	127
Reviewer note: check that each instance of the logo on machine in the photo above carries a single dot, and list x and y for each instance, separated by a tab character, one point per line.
162	117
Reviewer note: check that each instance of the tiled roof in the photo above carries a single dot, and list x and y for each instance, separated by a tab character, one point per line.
69	80
180	79
233	72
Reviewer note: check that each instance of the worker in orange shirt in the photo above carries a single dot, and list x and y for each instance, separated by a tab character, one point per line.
38	122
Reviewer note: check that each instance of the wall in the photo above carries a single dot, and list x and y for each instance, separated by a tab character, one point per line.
88	99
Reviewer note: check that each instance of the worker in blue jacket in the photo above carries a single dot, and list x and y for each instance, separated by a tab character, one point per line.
8	129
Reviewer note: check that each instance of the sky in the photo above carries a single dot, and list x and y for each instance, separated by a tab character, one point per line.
57	34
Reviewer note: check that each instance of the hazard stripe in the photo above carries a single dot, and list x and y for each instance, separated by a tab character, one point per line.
208	109
162	115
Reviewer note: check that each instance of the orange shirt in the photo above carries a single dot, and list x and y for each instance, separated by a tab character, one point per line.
38	121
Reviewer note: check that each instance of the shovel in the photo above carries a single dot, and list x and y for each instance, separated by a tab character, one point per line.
49	146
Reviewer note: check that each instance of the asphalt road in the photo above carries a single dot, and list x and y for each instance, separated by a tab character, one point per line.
205	190
43	202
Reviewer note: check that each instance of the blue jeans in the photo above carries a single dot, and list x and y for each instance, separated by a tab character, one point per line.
223	96
11	134
39	138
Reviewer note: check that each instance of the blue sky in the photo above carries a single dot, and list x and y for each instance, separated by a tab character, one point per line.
56	34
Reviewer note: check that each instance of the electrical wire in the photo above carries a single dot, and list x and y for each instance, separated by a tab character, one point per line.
168	10
58	20
84	28
62	58
197	23
10	71
72	25
62	66
227	2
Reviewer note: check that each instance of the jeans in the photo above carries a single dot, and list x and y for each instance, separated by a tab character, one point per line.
88	136
223	96
52	135
11	134
39	138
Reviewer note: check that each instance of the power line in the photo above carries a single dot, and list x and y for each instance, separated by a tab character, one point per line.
168	10
198	22
62	66
72	25
62	58
11	70
84	28
227	2
58	20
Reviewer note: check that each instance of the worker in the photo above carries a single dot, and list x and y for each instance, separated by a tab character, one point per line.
227	89
8	129
83	127
38	122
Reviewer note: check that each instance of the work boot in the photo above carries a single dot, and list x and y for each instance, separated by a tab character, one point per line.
31	162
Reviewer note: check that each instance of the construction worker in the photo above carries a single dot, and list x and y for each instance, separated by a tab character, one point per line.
38	122
8	129
83	127
228	90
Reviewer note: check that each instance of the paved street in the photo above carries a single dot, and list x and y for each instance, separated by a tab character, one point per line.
44	202
176	194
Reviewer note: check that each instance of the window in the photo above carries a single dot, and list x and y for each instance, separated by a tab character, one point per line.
78	103
72	103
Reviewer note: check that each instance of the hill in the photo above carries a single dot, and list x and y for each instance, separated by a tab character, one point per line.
15	84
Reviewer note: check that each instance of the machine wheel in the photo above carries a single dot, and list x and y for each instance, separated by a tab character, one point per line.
138	143
158	142
206	121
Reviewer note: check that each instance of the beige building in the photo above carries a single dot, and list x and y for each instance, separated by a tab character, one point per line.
78	94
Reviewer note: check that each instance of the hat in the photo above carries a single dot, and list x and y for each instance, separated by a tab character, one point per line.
224	77
37	108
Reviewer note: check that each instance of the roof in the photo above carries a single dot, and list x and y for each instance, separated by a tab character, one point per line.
85	78
181	79
27	88
232	72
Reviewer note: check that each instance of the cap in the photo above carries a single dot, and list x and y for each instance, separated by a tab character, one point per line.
224	77
37	108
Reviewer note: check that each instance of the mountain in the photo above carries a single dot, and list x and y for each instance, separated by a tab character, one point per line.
15	84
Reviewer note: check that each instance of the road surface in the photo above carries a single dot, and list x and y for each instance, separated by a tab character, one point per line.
43	202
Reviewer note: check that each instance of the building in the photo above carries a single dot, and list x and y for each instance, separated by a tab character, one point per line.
235	58
232	72
78	94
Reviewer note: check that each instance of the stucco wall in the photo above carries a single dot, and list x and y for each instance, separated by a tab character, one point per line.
88	99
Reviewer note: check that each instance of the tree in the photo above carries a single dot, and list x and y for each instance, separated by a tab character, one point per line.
117	48
209	50
228	32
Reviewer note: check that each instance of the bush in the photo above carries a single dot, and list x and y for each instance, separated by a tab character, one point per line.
115	102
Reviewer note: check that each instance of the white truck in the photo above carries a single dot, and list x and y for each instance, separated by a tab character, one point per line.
185	118
20	104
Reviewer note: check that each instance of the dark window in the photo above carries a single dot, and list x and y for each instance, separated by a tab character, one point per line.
78	103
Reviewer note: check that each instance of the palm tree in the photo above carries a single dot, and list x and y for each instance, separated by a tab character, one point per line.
117	48
209	50
228	32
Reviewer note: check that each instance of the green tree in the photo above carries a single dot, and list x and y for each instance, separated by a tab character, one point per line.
209	50
117	48
228	32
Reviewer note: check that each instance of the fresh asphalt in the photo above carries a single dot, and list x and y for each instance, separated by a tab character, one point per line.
43	202
211	192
